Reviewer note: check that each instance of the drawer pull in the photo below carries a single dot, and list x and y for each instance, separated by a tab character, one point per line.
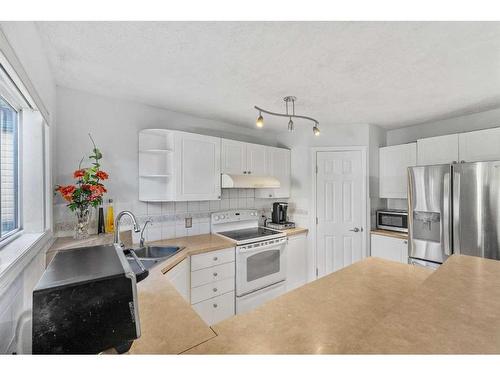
215	305
214	289
215	274
216	259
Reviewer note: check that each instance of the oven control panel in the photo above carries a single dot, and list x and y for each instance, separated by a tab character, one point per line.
234	216
256	245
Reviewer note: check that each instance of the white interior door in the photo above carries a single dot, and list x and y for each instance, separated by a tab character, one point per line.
339	209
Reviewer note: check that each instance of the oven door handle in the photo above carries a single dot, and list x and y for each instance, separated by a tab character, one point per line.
258	249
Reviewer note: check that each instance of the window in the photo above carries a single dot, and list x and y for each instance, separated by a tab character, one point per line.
9	186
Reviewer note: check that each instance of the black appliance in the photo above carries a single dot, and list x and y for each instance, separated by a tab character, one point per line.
86	302
278	215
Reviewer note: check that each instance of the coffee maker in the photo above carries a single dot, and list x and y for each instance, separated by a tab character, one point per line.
278	215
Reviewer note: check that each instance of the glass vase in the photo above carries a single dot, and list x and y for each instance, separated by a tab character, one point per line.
82	224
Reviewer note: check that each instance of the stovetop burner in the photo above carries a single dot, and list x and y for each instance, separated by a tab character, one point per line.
249	233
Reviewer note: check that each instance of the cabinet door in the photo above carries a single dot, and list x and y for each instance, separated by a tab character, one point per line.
197	167
179	278
279	167
296	261
481	145
438	150
233	156
389	248
257	160
394	161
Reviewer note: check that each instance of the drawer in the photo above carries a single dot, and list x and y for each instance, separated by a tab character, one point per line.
216	309
211	290
213	258
209	275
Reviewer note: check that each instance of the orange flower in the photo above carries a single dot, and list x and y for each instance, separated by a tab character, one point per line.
79	173
67	192
98	190
102	175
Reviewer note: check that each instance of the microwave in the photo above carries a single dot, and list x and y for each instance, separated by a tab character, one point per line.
394	220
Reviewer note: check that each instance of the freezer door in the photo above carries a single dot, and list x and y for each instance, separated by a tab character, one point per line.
476	209
429	216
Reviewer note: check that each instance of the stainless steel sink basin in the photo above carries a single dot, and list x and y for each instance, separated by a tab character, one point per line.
157	252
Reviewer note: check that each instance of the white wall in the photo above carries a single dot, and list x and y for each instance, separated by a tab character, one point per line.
16	289
114	125
475	121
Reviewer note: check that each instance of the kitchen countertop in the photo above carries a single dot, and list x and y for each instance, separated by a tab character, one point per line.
456	310
324	316
390	233
295	231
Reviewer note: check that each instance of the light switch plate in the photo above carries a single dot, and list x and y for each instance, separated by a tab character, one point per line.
188	222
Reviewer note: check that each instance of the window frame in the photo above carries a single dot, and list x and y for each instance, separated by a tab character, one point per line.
8	237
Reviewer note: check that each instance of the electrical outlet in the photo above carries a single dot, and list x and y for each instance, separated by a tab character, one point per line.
188	222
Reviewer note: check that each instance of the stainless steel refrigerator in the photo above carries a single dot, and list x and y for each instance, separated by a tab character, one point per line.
453	209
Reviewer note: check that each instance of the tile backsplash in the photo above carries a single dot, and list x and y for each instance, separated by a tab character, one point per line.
168	218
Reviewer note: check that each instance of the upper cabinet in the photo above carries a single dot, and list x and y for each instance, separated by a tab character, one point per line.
233	157
197	167
438	150
394	161
279	167
481	145
244	158
178	166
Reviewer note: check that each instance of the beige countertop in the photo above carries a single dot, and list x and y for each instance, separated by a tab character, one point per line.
325	316
390	233
456	310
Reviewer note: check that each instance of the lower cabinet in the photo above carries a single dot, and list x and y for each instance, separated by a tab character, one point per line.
390	248
296	261
179	278
213	285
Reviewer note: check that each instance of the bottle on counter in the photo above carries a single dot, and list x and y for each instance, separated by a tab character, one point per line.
100	221
110	217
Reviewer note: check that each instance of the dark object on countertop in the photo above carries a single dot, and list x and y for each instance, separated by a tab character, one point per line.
279	214
85	302
100	221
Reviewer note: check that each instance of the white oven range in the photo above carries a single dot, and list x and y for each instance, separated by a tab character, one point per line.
260	257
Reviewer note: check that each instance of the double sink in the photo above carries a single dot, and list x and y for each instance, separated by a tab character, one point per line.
141	260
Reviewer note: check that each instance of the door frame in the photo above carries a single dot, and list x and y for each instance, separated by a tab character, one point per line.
364	202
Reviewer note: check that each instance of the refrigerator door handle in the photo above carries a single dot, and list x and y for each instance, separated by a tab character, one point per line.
447	215
456	211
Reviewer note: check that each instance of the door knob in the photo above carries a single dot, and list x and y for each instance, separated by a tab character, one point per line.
356	230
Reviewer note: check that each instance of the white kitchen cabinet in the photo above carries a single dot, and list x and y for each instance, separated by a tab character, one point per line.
197	167
296	261
394	161
244	158
178	276
481	145
233	156
390	248
279	167
178	166
438	150
213	284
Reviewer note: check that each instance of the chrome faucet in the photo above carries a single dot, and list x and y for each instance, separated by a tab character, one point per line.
137	229
141	241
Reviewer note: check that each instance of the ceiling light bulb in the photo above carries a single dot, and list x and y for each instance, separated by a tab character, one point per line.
260	121
316	129
291	127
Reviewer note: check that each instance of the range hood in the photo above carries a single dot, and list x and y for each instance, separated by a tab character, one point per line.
249	181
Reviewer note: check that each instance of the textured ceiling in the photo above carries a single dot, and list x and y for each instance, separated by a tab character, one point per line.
392	74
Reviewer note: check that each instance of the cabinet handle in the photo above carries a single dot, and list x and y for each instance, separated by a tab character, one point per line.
218	197
215	305
249	172
215	274
244	172
214	289
406	242
462	161
216	259
270	195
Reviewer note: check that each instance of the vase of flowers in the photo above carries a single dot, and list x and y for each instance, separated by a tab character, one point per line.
86	192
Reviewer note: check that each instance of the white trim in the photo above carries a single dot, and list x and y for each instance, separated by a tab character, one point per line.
364	193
